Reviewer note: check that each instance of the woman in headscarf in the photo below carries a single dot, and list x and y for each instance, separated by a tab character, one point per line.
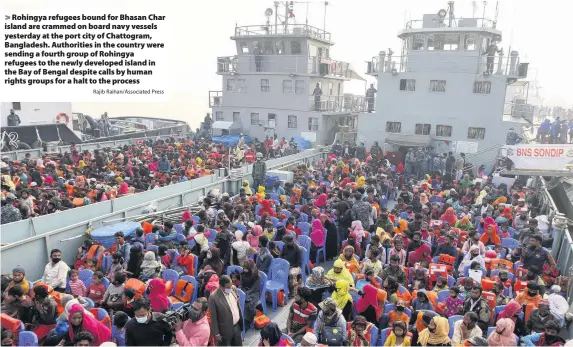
79	321
150	267
133	268
422	253
242	248
513	311
490	236
317	238
247	188
424	199
214	261
353	241
123	188
271	335
349	260
253	236
331	237
367	305
251	285
402	226
464	224
321	201
359	332
436	334
157	298
340	272
266	207
503	334
318	284
470	257
343	299
449	216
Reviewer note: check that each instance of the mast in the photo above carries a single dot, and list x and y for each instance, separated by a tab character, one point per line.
276	17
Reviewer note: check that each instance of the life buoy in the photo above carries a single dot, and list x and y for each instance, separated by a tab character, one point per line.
64	116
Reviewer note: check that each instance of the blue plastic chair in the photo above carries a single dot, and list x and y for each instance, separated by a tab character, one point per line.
383	336
280	245
232	268
355	298
373	336
303	217
177	305
560	319
212	235
509	243
380	281
451	281
278	279
516	265
178	228
490	330
196	220
90	302
496	272
275	220
106	262
242	298
304	241
287	213
257	208
511	231
304	228
191	243
105	282
170	275
153	248
305	255
264	280
27	338
289	339
193	281
297	206
321	250
86	276
174	256
274	196
150	238
181	238
436	259
451	321
241	227
442	296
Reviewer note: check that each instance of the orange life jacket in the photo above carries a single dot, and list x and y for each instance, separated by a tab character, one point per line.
137	286
183	292
95	252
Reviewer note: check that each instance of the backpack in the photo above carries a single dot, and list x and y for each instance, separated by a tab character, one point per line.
331	335
347	215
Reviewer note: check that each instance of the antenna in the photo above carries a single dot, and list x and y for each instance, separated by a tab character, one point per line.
484	6
451	13
324	20
474	8
496	14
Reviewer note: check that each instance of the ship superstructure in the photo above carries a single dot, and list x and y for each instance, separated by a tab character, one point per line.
446	88
283	81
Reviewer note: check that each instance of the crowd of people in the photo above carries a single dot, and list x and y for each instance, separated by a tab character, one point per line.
555	132
421	258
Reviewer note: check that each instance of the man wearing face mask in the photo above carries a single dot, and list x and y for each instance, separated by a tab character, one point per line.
56	272
226	320
195	331
147	328
550	337
477	304
466	329
539	317
395	270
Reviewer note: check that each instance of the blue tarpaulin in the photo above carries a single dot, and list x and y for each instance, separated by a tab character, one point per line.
106	235
231	140
302	143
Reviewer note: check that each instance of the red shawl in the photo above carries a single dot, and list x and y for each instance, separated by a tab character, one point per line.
97	329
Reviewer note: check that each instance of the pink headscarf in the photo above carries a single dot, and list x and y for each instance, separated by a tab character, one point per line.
123	188
449	216
253	237
507	338
317	233
97	329
185	217
321	200
157	298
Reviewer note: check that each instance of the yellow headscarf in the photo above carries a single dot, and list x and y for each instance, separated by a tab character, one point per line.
344	275
439	336
352	265
340	295
361	181
81	164
247	188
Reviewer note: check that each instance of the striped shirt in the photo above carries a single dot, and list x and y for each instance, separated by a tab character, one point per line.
77	288
303	316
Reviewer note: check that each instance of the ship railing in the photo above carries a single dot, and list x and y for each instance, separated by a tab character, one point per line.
279	63
345	103
215	98
283	30
456	23
524	111
448	62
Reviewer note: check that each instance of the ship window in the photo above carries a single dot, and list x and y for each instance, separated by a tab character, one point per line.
272	120
312	124
432	42
244	47
236	117
393	127
287	86
295	47
242	85
231	85
408	84
329	88
299	87
438	86
292	122
444	130
268	47
219	115
265	85
476	133
482	87
423	129
16	106
418	42
254	118
451	42
470	42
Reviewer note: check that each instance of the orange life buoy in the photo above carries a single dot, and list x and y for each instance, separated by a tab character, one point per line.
64	116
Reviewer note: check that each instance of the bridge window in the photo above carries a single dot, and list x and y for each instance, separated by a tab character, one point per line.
231	85
312	124
219	115
444	130
265	85
451	42
418	42
295	47
470	42
236	117
432	43
254	118
476	133
242	85
16	106
299	87
438	86
393	127
482	87
330	88
408	84
244	47
287	86
292	122
423	129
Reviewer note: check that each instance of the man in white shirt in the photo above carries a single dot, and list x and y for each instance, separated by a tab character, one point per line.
466	329
56	272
